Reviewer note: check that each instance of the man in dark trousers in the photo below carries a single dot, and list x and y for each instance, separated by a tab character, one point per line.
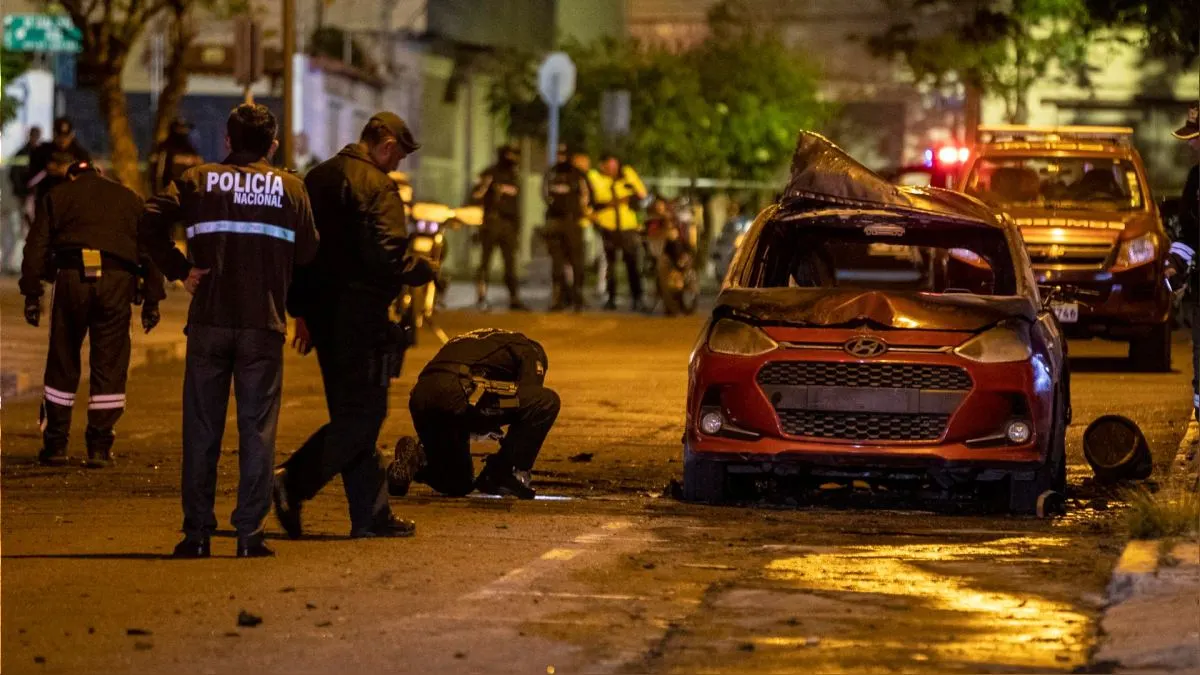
499	190
91	256
1181	263
341	304
249	225
475	385
565	189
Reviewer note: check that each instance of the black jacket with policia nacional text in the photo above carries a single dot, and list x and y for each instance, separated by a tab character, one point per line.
250	224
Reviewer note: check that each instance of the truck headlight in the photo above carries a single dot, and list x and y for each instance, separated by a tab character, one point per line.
738	339
1005	343
1137	251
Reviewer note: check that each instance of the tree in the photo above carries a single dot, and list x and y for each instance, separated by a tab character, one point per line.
1172	27
181	36
1000	48
12	65
109	29
729	108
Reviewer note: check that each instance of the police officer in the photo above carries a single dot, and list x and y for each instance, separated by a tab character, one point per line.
1181	263
614	187
499	189
91	256
249	225
48	163
342	308
475	385
565	189
174	155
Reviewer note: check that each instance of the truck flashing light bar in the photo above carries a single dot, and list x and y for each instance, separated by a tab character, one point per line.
993	133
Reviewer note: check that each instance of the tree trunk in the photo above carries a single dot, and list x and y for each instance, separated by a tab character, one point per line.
176	81
115	110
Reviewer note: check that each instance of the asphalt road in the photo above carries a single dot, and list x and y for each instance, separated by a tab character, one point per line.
610	576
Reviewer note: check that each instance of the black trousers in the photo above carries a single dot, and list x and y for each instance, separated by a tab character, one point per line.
623	243
564	239
504	234
445	423
350	337
253	360
100	307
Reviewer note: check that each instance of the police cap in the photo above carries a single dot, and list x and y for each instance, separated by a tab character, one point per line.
399	129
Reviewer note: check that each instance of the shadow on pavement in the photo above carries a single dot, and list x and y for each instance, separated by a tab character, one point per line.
91	556
1107	364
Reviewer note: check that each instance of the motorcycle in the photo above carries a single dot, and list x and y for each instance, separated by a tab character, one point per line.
417	305
670	256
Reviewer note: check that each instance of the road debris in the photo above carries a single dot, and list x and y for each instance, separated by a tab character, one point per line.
1117	450
137	631
581	457
248	620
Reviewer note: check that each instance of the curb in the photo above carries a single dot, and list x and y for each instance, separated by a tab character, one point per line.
1137	567
1141	586
16	386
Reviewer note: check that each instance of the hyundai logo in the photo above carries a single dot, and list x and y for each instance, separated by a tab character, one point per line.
865	347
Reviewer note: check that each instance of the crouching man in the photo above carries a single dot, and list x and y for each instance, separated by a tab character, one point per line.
477	384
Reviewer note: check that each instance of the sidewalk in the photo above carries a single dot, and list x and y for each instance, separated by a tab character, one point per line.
23	347
1152	621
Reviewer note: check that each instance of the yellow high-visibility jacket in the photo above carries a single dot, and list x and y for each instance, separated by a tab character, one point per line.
611	198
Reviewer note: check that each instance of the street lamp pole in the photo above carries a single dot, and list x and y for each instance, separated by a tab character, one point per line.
289	75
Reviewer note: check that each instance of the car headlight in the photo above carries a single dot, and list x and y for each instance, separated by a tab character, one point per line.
1138	251
738	339
1005	343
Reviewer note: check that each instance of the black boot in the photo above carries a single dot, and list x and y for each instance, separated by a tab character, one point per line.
410	457
287	510
53	456
386	525
253	547
498	479
192	548
99	447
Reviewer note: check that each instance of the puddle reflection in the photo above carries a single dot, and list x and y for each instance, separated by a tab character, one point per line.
977	625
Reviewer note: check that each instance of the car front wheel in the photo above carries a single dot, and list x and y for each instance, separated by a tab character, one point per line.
703	480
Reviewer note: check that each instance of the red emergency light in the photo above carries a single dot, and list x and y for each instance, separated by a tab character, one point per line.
949	154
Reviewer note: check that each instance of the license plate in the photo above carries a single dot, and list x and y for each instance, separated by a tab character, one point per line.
422	244
1067	312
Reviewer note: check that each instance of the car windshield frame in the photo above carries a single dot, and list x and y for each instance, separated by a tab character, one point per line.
957	239
1076	196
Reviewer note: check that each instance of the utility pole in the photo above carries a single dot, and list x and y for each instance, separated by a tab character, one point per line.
289	84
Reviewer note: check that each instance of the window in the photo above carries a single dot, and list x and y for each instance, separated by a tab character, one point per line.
1062	183
883	253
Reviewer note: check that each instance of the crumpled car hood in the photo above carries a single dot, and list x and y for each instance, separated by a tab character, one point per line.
889	309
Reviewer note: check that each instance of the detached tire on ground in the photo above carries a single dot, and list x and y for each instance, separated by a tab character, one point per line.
1117	450
703	480
1152	353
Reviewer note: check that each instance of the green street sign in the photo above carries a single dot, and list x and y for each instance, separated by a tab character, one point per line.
41	33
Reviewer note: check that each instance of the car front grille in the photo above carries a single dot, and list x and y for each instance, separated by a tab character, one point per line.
863	426
876	375
1069	255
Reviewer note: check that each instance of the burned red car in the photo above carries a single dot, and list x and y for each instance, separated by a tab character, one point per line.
871	331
